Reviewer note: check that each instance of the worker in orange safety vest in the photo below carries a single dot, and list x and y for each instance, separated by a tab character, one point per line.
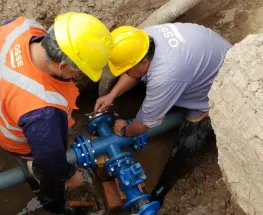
37	95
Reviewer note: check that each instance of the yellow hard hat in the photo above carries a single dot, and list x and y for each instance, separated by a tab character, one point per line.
130	46
85	40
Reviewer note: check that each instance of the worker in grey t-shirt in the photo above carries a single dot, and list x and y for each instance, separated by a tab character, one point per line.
178	62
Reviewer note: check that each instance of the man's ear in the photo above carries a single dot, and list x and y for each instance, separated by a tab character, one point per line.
146	62
62	66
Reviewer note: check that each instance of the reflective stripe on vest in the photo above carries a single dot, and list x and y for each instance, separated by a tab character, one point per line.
23	81
7	125
11	136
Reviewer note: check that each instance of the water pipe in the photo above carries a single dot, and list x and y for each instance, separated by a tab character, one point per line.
120	164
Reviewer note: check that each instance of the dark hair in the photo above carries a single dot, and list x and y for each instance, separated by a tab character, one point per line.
149	55
53	51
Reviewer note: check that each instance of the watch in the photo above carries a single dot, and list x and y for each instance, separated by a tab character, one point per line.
123	131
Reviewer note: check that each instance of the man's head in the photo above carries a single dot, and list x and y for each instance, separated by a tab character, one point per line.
132	53
58	61
77	42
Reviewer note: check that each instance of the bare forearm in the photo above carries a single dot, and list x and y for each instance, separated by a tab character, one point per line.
135	128
123	85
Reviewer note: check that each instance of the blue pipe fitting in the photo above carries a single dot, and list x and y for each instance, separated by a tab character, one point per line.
120	164
150	209
82	154
140	140
101	125
130	174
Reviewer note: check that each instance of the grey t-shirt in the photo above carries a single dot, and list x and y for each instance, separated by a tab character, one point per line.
186	60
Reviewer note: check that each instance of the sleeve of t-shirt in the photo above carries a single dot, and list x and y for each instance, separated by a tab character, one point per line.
159	100
46	130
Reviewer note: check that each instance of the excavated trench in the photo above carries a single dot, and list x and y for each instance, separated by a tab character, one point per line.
201	191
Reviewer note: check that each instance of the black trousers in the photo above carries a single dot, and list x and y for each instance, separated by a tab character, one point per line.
49	193
190	138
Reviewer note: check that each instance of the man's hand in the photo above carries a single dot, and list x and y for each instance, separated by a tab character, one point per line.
123	85
75	181
118	125
133	129
103	103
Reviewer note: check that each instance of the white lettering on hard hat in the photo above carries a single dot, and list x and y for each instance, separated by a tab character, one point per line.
18	56
170	32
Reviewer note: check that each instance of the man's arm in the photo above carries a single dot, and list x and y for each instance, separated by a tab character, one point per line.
158	101
123	85
46	130
131	130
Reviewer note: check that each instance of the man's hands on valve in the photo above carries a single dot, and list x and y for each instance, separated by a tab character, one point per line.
131	130
103	103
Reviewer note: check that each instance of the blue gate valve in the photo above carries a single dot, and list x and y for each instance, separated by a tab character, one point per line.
120	164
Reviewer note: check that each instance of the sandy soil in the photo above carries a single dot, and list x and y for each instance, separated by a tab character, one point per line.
193	195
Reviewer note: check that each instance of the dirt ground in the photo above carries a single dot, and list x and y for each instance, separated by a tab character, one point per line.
202	190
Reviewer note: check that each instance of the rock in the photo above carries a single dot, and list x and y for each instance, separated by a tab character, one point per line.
236	101
223	204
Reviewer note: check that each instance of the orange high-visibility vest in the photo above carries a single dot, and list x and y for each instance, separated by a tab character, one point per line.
23	87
